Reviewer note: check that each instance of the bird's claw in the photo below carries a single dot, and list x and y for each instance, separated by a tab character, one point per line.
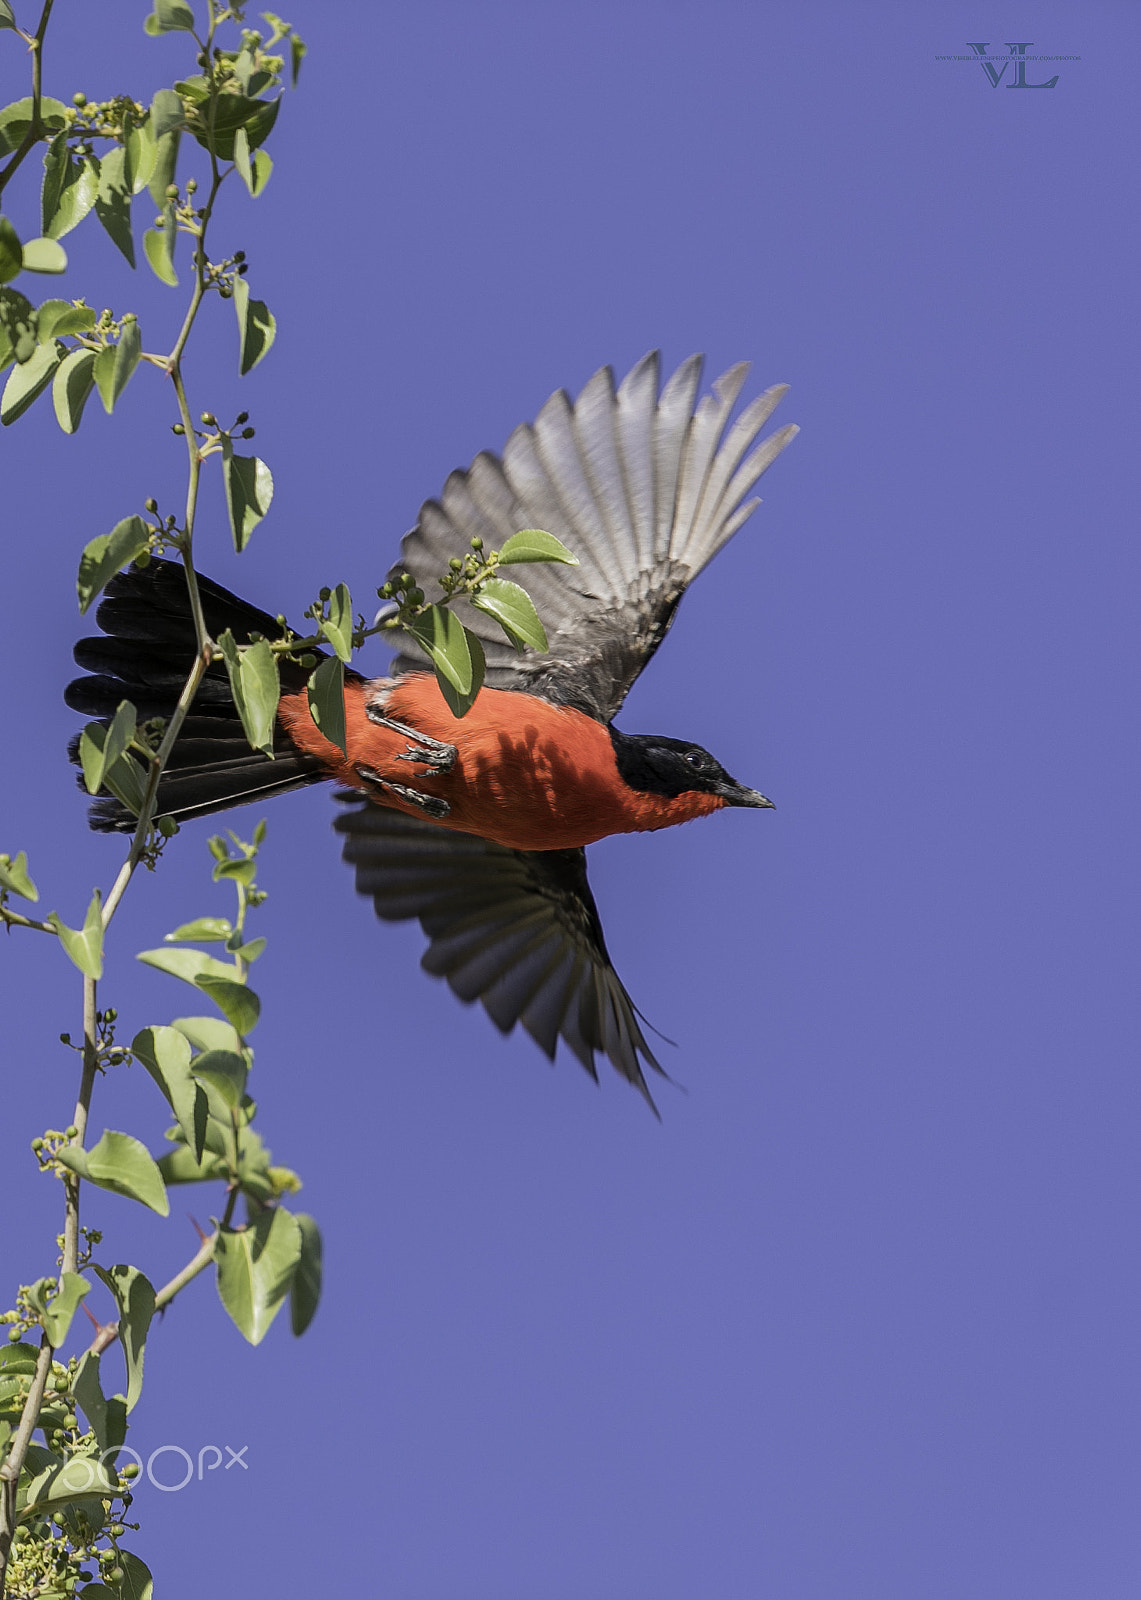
431	805
440	758
433	753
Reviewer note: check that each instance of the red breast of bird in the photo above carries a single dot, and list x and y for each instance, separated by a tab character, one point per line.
528	774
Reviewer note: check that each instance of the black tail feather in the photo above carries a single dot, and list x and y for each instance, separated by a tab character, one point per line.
147	649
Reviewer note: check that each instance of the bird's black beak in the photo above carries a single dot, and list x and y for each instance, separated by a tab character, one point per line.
735	794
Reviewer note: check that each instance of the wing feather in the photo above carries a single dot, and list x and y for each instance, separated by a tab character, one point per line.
517	930
644	488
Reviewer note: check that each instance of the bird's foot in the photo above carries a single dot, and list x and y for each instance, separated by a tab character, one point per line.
431	805
433	753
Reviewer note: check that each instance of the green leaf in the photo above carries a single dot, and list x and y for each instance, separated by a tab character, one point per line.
55	318
11	251
57	165
56	1313
107	1417
105	376
224	1071
443	636
165	164
26	383
263	170
256	327
120	1164
238	1003
242	158
127	353
141	154
81	1478
69	190
231	112
297	54
170	16
327	701
16	119
305	1289
113	201
201	929
460	704
18	324
189	965
44	255
337	627
167	113
124	778
7	15
14	877
136	1582
238	870
165	1052
135	1298
100	748
158	247
209	1033
73	382
255	1267
256	688
84	945
104	556
514	610
254	169
181	1166
249	490
532	544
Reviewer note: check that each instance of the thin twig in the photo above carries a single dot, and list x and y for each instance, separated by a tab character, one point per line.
15	920
35	130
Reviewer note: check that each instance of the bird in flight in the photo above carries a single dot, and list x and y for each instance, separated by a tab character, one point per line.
478	826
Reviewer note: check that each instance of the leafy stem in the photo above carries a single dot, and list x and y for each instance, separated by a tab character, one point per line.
35	127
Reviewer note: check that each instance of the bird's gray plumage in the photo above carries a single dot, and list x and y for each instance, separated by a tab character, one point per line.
644	488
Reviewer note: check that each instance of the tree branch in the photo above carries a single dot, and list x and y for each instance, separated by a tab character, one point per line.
36	46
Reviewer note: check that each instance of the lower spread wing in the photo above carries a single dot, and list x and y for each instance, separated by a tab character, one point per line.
643	487
515	929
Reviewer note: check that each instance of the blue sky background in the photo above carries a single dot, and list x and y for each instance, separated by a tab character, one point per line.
861	1317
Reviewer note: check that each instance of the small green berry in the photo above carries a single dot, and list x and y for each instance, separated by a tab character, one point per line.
477	543
79	98
13	1335
37	1145
71	1132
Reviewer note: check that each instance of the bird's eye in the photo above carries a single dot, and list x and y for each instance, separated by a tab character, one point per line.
696	758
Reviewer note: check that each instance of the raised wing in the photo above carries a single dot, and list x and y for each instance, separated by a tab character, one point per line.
515	929
643	488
